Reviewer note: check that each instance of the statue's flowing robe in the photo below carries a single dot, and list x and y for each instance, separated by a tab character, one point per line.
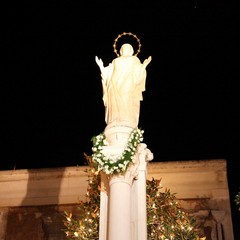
122	90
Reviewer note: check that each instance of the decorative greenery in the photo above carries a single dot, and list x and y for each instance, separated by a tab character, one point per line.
115	166
237	200
165	218
85	224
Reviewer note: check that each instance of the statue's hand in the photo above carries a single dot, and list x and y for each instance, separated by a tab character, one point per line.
147	61
102	69
99	62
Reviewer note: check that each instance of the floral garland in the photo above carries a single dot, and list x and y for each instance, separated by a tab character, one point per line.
115	166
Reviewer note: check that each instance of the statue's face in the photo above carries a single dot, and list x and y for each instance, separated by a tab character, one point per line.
126	50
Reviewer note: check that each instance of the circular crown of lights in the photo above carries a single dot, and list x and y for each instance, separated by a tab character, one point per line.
130	34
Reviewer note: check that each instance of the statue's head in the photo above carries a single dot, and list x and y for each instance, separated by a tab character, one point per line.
126	50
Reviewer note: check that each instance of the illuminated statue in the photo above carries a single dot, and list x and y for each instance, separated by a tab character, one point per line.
123	194
123	82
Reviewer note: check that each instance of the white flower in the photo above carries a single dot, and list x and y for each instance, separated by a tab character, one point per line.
94	149
104	158
99	137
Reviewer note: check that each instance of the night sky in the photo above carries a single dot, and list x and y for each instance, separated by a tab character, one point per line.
52	94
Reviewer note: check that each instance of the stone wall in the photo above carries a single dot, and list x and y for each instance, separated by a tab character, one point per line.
32	202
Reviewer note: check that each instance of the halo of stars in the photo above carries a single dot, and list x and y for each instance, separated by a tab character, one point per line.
123	34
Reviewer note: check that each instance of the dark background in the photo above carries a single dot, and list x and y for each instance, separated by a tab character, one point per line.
52	94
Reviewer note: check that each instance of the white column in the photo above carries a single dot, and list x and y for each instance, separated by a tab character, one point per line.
118	214
104	203
138	208
120	209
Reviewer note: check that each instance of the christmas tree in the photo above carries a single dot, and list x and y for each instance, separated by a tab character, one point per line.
85	225
165	218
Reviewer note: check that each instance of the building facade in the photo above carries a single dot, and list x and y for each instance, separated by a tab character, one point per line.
32	201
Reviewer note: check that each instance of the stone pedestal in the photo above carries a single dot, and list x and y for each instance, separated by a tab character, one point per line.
123	196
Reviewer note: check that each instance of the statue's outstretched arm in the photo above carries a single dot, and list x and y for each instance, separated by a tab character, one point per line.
147	61
102	68
99	63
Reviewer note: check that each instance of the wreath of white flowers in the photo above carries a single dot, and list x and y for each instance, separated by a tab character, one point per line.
115	166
